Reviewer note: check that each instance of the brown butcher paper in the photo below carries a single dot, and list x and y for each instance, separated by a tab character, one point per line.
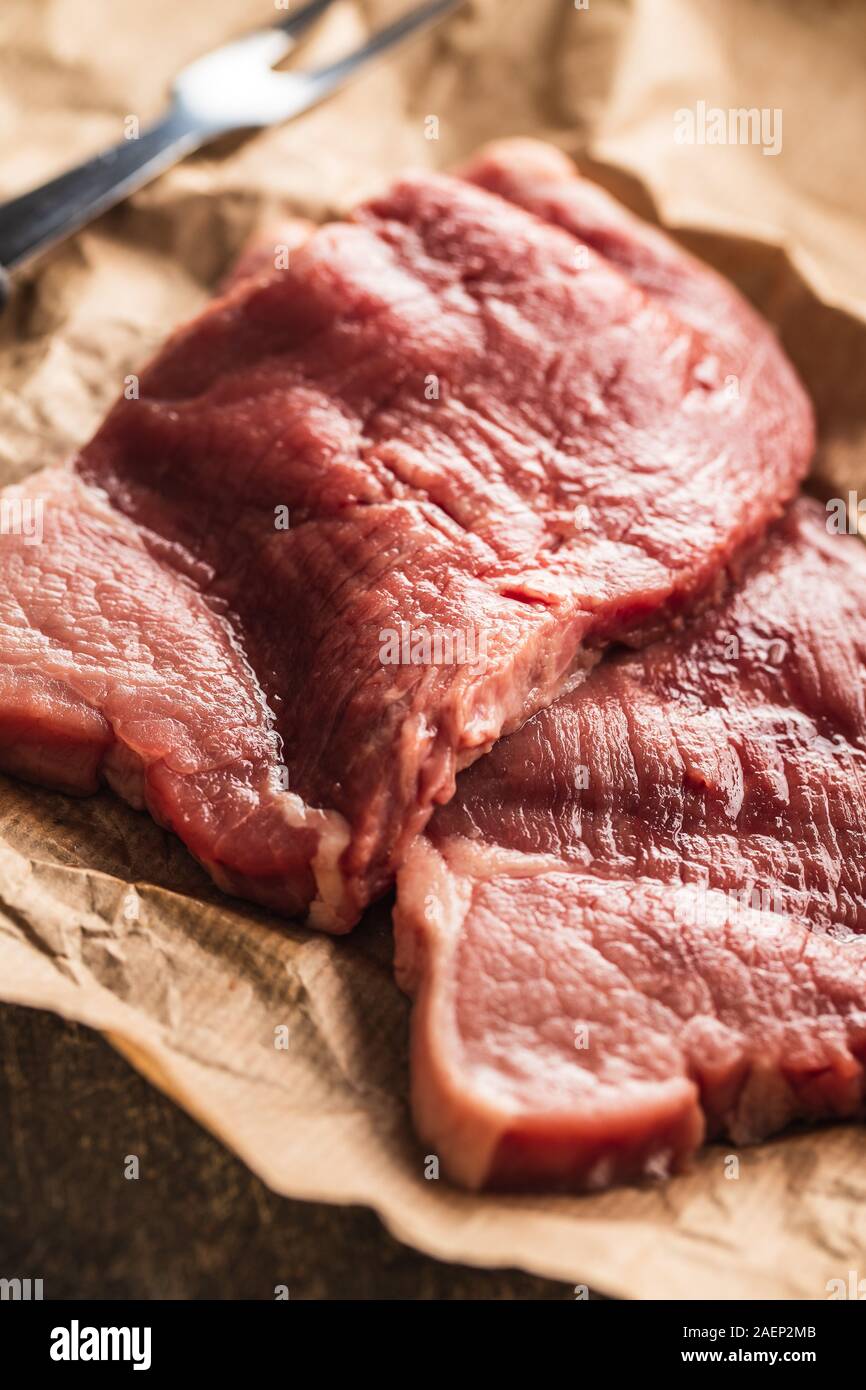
292	1047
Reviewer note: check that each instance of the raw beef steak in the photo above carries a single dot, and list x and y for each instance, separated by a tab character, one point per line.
416	482
641	921
543	180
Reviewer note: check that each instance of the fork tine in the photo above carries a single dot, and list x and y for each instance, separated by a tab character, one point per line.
267	45
296	23
325	79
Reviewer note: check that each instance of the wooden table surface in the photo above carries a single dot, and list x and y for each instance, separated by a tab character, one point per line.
196	1224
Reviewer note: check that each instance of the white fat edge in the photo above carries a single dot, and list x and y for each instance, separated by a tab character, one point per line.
329	909
481	860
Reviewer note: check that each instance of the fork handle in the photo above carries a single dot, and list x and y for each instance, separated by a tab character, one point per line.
36	220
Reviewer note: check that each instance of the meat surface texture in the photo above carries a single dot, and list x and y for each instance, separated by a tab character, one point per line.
401	495
641	922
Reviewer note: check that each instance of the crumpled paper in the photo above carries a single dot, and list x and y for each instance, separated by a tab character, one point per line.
292	1047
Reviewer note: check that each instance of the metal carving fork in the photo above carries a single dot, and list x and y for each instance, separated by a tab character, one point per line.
231	89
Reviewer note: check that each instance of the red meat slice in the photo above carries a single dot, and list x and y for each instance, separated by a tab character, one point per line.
114	668
642	919
541	179
267	248
430	392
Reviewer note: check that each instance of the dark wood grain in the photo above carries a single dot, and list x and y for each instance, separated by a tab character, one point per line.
196	1224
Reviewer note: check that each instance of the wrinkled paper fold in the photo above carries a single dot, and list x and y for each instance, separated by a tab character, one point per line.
292	1047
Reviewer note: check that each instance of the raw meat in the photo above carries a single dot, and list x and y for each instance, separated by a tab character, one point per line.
641	921
267	248
543	180
441	425
114	668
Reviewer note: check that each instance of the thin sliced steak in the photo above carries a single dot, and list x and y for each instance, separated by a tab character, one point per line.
642	919
115	668
541	179
428	395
